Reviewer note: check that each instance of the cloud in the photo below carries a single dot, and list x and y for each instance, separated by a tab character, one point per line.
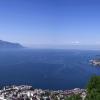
75	42
97	43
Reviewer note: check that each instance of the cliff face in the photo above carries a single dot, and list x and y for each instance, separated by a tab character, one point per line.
5	44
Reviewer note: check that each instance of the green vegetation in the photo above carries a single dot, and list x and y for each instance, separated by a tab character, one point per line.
74	97
93	88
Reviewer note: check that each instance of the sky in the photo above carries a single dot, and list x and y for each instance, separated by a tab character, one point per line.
50	22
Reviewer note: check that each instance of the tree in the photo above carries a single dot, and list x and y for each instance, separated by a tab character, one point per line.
74	97
93	88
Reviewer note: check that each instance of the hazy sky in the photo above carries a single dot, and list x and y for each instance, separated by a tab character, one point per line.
50	22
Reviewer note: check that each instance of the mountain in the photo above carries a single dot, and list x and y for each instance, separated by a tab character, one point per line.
5	44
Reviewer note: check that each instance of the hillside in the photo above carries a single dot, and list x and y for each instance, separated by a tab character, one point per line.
5	44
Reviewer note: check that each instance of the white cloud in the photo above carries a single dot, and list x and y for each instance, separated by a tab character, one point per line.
98	43
76	42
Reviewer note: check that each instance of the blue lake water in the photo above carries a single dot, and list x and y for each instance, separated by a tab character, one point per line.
47	69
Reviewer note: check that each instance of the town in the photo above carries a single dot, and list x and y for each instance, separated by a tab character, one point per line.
25	92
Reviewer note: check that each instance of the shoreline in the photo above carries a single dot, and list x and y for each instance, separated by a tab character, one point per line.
15	92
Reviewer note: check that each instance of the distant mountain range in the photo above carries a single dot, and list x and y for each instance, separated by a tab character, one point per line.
6	44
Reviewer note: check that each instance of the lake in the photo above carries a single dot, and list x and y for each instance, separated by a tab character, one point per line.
47	69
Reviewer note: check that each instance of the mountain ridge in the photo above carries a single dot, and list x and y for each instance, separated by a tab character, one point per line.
6	44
